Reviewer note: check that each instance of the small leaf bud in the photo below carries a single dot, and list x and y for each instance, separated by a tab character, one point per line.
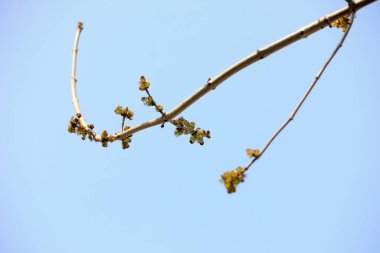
253	153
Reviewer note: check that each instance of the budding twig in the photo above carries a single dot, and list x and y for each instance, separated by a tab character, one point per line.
213	83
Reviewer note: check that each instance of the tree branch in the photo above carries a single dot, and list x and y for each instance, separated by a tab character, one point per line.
213	83
316	79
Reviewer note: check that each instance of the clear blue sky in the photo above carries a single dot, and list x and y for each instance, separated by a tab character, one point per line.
315	190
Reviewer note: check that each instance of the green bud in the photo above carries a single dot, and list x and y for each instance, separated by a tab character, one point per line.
159	108
119	110
231	179
143	84
253	153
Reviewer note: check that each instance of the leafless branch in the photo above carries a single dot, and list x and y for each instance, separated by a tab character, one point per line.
316	79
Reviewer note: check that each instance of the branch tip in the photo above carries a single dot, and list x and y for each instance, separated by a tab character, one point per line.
80	25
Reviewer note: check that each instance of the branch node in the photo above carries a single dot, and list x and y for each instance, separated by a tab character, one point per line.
260	54
325	19
210	84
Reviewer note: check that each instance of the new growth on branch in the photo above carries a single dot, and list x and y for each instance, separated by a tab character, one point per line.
342	19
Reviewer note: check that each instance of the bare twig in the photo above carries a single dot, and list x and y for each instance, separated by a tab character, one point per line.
316	79
122	123
155	104
213	83
163	114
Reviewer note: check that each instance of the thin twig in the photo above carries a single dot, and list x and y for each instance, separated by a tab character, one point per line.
122	123
316	79
155	104
163	114
213	83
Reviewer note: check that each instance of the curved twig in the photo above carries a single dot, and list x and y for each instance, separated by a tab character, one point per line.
213	83
81	119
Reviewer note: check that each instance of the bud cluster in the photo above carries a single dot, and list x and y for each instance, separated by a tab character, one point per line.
143	84
231	179
253	153
75	127
125	142
124	112
148	101
185	127
106	139
342	22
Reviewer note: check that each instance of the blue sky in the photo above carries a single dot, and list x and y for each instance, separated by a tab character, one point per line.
315	190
